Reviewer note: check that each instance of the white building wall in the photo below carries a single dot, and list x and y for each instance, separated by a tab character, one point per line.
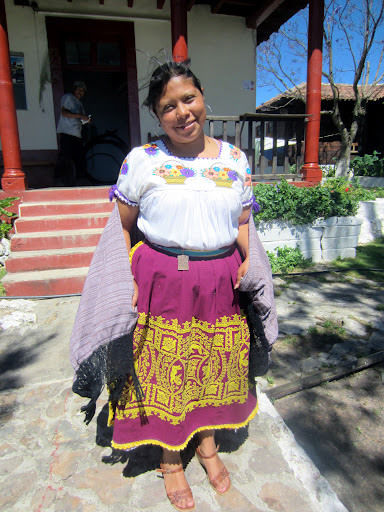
27	34
221	50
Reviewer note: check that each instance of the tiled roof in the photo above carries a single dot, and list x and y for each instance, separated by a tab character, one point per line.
373	92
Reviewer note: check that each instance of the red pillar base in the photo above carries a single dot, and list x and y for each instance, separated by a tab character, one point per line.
15	183
312	172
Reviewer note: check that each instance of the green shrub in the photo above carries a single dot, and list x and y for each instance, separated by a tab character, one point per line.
368	165
303	205
286	259
6	216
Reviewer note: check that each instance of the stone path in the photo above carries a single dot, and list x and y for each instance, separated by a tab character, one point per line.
50	461
354	308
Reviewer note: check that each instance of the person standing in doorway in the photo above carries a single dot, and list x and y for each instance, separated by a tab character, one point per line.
71	166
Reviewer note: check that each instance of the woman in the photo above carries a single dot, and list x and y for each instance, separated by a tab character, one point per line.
191	197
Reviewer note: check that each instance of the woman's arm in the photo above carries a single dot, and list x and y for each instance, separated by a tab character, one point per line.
242	242
67	113
128	216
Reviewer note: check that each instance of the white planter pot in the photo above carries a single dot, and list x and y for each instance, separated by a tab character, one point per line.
372	215
323	240
370	181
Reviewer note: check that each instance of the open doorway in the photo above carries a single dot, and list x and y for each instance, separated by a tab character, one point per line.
102	54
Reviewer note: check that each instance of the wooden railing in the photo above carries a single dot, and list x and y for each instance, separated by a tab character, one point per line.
273	143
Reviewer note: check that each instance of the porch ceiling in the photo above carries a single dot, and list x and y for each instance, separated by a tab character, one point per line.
266	16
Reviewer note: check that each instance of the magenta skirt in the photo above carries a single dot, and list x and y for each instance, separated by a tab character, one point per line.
191	347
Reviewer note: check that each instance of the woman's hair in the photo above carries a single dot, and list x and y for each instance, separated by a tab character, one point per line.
161	76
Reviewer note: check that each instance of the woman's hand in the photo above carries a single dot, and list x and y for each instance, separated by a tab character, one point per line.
135	295
241	272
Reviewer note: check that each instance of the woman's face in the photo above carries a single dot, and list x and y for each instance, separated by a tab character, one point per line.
181	110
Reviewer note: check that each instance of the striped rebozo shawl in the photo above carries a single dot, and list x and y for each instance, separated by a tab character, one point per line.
101	342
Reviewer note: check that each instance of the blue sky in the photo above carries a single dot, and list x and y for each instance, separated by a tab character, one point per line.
296	66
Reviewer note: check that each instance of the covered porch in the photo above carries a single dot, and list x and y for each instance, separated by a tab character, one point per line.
263	18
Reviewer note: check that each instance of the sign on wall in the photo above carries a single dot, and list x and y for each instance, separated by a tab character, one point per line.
17	74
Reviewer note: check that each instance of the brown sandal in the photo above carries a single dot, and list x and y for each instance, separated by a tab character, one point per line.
176	497
222	475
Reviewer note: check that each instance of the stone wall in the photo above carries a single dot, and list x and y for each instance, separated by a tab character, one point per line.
326	240
372	215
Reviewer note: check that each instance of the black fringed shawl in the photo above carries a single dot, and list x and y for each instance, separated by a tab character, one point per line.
101	341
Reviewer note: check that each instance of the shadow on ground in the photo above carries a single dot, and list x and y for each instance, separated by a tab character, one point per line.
339	424
148	458
18	352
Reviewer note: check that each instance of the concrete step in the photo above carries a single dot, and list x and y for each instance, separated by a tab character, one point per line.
33	209
61	222
24	261
65	194
45	282
55	239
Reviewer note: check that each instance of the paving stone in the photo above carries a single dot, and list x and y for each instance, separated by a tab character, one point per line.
70	503
43	498
235	500
311	364
14	487
151	491
66	464
9	464
376	341
354	326
281	498
109	486
260	465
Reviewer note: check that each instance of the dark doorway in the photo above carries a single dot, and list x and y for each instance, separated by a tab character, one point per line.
102	54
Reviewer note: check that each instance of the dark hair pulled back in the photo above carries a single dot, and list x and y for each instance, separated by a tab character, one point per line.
161	76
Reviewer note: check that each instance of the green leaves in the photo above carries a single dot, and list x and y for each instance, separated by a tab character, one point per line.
368	165
337	197
286	259
6	216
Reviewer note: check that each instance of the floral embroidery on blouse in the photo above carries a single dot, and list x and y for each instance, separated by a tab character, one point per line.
174	173
124	167
151	149
234	152
222	176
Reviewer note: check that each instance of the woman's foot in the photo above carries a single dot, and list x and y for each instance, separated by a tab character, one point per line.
218	475
176	486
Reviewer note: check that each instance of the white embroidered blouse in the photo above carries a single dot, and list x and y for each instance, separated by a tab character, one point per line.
192	203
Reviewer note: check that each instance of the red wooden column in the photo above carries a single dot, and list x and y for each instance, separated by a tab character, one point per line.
13	177
179	30
311	170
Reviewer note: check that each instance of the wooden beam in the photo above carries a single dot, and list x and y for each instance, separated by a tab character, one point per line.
130	3
326	376
101	2
179	29
311	170
258	17
160	4
13	178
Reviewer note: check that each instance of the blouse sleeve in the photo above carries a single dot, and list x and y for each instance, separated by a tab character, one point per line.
247	197
129	186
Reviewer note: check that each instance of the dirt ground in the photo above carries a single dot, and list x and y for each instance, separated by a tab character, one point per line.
338	423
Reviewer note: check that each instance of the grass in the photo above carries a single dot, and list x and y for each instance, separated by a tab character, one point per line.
368	256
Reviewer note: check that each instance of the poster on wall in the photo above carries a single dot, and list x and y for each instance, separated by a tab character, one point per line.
17	74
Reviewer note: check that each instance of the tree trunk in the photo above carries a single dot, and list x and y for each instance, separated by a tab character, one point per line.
343	161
